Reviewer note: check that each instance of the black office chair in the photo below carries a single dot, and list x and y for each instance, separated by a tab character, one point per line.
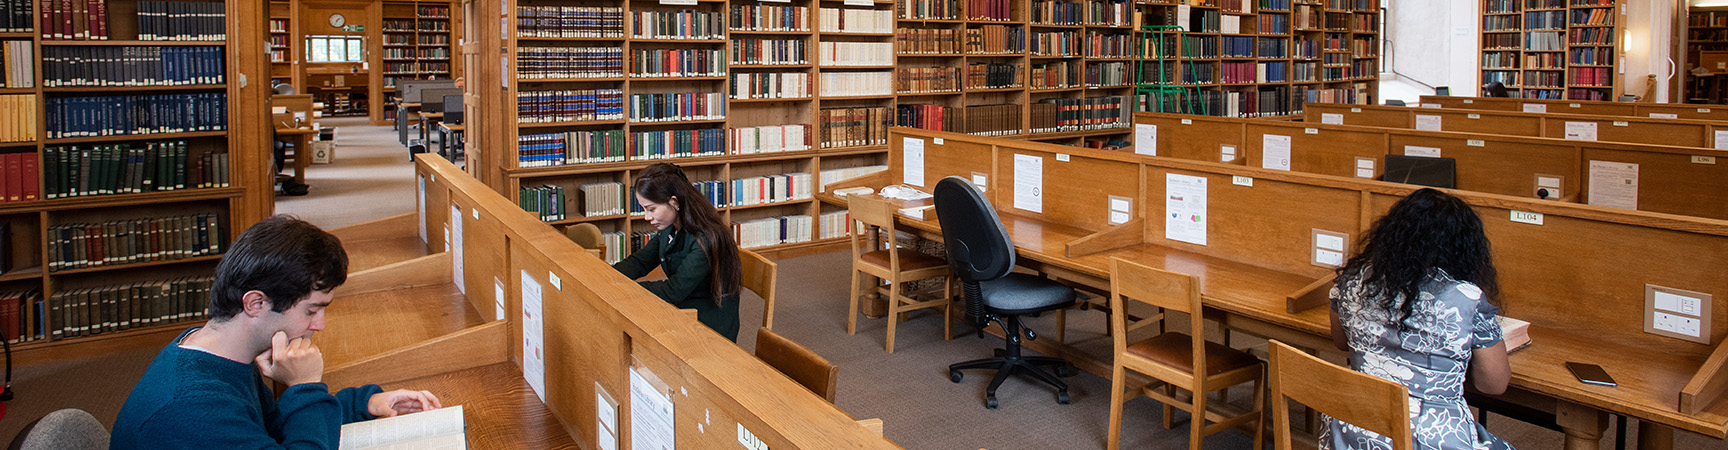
982	258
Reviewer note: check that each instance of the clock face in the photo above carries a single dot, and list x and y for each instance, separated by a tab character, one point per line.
336	20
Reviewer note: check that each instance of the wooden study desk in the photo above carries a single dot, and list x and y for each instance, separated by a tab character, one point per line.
426	121
446	132
301	156
404	118
1257	278
502	412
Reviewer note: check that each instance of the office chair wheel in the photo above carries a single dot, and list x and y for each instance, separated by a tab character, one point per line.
1062	396
1064	370
990	401
955	376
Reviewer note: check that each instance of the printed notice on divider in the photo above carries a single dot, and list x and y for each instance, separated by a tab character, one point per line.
1581	131
912	161
1146	139
1535	108
1185	208
1721	142
651	425
420	204
533	336
1613	184
1427	122
1029	183
456	247
1332	118
1275	152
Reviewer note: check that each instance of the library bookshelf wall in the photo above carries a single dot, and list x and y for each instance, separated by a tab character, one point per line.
1552	49
801	93
285	45
418	42
1706	48
120	185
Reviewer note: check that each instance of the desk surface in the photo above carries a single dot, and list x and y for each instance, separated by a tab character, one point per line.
412	313
451	127
502	412
431	115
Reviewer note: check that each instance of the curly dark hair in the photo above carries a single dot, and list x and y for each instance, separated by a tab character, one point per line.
660	183
1427	230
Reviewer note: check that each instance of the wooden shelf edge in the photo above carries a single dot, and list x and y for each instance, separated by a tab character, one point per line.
108	268
101	201
136	137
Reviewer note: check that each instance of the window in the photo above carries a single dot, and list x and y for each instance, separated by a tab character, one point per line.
324	49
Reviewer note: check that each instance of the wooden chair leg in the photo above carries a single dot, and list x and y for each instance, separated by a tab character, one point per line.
1197	417
1259	408
1169	412
852	307
895	300
1118	378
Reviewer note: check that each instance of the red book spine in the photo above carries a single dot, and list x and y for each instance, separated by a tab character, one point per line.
47	12
14	177
32	178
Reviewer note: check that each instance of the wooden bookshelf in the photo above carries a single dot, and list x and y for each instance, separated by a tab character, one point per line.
1552	49
991	67
86	212
286	50
416	40
1707	48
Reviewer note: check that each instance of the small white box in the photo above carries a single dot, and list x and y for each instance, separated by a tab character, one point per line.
323	152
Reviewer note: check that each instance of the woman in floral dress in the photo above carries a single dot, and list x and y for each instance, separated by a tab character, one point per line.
1430	248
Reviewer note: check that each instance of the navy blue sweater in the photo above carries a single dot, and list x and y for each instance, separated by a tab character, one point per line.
192	399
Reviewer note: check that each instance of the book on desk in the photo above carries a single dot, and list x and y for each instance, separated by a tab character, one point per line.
439	429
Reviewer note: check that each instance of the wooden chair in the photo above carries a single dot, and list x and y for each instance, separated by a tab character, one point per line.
1175	359
799	363
895	264
589	237
759	277
1375	404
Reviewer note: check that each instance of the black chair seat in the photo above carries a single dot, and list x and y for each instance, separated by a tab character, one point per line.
1022	294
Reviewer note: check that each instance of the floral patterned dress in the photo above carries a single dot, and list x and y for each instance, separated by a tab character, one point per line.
1430	360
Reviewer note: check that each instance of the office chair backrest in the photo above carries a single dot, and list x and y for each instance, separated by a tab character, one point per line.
798	363
759	276
432	100
1421	171
1356	398
411	90
452	109
978	244
66	429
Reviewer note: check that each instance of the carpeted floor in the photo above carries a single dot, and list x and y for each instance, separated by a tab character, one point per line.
370	178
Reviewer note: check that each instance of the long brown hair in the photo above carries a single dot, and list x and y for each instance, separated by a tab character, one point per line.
662	182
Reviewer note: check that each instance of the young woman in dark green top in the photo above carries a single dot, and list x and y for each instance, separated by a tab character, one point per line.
692	246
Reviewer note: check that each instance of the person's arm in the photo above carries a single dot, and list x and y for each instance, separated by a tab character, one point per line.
356	402
682	281
1489	371
638	264
1339	338
306	417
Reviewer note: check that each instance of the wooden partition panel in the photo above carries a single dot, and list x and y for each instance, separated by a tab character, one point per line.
1318	149
1675	183
1649	110
1404	118
1220	132
1673	133
1268	222
957	158
1076	189
1498	166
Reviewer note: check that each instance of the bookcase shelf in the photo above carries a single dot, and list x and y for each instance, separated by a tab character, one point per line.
134	43
20	274
1565	55
135	137
119	200
110	268
410	36
187	87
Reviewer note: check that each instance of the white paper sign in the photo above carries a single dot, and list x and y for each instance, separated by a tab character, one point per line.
1331	118
1185	208
1581	131
1721	143
651	424
912	161
1029	183
1146	139
1427	123
420	207
1664	116
1425	152
1121	209
1613	184
533	336
1535	108
1226	153
1275	152
456	260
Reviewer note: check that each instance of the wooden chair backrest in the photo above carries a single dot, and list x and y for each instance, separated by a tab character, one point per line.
797	362
1360	399
759	276
1172	291
584	234
873	212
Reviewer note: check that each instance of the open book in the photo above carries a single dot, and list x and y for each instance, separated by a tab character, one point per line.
438	429
1515	332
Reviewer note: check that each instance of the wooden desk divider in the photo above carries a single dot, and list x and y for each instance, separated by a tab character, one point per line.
594	321
1577	272
1628	129
1674	180
1650	110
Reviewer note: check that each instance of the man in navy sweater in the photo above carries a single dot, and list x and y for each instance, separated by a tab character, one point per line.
205	390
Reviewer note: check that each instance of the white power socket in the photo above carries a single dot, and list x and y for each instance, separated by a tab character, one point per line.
1671	323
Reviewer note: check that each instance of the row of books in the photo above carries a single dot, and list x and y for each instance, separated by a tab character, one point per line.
21	315
617	246
746	51
1590	76
926	41
768	139
834	224
673	107
839	20
69	117
132	66
1078	114
571	147
1056	12
763	17
995	39
545	201
539	63
924	80
852	127
569	105
15	17
993	120
927	9
927	116
1059	75
432	12
19	181
107	169
752	85
76	19
1585	55
604	199
772	231
992	75
18	118
999	10
1054	43
664	63
1590	36
646	145
1601	17
1545	20
569	21
857	54
92	311
769	189
831	176
119	242
180	21
1110	13
840	84
682	24
18	60
1274	24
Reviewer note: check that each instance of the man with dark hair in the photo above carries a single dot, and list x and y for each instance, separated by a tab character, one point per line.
205	390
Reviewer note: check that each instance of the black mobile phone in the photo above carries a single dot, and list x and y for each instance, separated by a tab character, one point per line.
1591	374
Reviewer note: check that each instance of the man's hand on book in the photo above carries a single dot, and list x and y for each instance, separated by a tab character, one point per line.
292	362
401	401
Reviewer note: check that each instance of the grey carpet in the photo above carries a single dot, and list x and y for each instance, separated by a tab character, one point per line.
370	178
